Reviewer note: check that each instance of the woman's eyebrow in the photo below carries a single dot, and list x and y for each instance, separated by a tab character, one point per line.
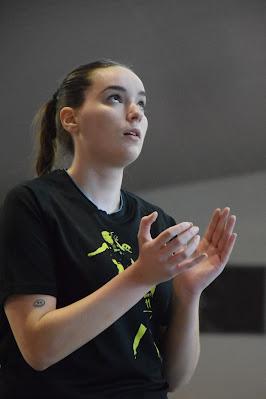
114	87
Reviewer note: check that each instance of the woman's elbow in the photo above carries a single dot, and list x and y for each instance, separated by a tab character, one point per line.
36	360
179	381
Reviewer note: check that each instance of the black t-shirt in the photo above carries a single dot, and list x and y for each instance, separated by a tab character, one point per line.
55	241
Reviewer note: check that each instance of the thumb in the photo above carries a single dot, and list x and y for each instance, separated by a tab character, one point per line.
144	233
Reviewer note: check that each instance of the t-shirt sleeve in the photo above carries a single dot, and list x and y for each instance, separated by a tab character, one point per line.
27	264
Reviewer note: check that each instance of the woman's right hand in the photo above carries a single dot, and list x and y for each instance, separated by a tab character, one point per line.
162	258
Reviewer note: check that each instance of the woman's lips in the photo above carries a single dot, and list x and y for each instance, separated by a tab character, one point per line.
133	132
131	136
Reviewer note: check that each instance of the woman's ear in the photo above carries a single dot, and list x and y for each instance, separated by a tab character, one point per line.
68	119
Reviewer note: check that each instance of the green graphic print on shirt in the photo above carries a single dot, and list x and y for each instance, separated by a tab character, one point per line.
111	243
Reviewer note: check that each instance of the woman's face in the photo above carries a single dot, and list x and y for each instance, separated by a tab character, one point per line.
105	116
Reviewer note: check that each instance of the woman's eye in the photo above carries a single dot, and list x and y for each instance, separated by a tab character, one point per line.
114	95
143	105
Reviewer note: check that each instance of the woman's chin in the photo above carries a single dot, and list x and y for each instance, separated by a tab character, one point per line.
130	156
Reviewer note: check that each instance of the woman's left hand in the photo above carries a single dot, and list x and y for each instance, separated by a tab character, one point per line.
217	242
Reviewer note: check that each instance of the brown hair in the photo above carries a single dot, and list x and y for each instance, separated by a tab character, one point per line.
53	144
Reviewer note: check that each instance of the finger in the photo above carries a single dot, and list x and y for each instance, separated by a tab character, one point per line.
185	253
185	237
220	226
182	239
227	232
228	248
212	225
171	232
144	233
192	245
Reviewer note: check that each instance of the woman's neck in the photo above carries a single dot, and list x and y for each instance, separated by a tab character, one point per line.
102	187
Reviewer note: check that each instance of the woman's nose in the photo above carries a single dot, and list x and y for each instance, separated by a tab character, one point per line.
134	112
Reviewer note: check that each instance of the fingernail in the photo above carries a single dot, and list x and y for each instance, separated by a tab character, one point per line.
187	224
195	229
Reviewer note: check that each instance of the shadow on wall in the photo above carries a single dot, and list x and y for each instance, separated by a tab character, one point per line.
235	302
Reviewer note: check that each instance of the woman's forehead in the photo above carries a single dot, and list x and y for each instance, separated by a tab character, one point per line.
116	76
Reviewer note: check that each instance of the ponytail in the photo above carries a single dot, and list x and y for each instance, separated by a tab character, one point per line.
47	135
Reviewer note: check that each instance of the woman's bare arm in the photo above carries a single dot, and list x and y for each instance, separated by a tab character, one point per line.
46	335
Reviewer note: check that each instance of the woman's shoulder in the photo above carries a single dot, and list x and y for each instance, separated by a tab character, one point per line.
36	183
30	191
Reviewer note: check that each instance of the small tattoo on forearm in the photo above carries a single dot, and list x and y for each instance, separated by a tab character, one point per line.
38	303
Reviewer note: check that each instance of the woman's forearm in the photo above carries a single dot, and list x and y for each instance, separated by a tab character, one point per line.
61	331
180	345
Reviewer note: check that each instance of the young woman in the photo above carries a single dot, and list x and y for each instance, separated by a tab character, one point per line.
99	288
